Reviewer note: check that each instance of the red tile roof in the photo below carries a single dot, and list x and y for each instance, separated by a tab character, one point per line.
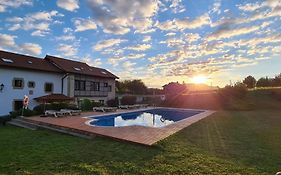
51	64
53	98
76	67
13	60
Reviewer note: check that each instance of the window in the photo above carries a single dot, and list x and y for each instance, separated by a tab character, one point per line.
77	68
17	105
80	85
31	84
7	60
105	84
95	86
49	87
109	88
77	85
18	83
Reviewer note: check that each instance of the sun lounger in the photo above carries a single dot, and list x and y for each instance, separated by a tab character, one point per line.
104	109
56	113
124	106
71	111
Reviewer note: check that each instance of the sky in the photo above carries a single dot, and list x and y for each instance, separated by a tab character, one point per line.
158	41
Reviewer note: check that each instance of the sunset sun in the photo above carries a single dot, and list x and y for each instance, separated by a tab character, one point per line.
200	79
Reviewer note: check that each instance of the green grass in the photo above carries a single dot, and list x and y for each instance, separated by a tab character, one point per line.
240	142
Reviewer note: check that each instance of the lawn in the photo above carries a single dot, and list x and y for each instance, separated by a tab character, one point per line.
241	142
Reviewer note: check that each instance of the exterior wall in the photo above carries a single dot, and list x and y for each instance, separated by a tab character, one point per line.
68	85
95	95
9	94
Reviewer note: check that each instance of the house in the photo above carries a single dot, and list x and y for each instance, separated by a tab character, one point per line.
26	75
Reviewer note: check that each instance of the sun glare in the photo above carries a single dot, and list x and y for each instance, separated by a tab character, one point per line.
200	79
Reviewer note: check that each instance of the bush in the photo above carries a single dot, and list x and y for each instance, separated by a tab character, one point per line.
113	102
128	100
239	90
26	113
87	105
4	119
96	104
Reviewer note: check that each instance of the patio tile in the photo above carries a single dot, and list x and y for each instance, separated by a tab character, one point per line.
136	134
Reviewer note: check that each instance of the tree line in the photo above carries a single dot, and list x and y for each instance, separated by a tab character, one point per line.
135	87
251	82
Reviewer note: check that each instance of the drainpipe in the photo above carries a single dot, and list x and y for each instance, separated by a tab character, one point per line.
65	75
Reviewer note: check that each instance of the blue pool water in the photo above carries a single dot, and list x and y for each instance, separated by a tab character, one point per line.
151	118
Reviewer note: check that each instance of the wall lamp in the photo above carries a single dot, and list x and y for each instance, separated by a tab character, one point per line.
1	87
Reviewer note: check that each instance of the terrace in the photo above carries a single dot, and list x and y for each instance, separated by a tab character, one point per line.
135	134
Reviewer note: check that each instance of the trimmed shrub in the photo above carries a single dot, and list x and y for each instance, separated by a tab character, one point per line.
26	113
96	104
113	102
4	119
128	100
87	105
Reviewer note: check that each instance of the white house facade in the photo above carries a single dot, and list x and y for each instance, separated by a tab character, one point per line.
18	83
36	77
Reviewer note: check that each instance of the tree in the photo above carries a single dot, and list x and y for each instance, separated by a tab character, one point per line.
277	80
250	82
131	86
263	82
137	87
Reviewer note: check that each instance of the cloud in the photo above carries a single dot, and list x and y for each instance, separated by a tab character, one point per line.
139	47
67	50
251	7
8	41
146	39
107	43
119	17
191	37
70	5
216	7
68	37
166	26
4	4
84	24
31	48
228	33
128	65
193	24
174	42
170	34
39	22
39	33
133	56
45	16
259	15
182	24
176	6
92	62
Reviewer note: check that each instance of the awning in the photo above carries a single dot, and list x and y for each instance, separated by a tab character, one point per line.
53	98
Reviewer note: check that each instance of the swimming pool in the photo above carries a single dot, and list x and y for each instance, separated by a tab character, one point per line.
158	117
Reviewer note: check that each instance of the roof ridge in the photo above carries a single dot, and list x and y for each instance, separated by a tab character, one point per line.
65	59
8	52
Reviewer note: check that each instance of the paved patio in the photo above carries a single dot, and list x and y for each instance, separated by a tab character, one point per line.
135	134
